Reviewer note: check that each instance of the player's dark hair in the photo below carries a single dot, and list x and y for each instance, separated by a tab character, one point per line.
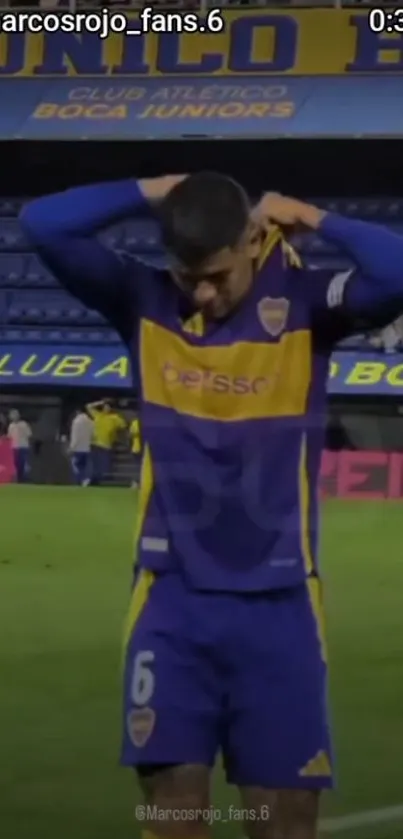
202	215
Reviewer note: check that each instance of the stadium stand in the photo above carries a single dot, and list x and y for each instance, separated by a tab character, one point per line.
34	308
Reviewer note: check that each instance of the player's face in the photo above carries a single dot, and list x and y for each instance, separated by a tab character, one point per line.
220	283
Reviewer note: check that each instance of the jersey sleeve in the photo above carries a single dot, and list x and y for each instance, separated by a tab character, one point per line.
341	304
367	297
63	229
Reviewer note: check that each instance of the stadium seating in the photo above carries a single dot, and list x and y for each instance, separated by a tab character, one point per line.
34	308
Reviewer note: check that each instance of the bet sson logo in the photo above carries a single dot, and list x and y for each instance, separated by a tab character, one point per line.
213	381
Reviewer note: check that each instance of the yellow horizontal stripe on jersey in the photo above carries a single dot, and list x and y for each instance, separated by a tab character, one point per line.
240	381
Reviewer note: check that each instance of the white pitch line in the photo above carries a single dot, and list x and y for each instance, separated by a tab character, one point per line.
368	817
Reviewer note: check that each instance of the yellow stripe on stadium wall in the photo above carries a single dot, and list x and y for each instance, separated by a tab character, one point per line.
237	382
277	42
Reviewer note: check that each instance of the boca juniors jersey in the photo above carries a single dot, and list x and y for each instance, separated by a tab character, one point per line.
232	425
232	411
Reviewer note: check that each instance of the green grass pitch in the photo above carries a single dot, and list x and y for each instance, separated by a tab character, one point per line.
65	569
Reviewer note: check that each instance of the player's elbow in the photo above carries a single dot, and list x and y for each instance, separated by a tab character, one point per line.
37	221
32	222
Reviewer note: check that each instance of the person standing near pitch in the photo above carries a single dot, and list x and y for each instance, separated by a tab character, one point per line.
225	647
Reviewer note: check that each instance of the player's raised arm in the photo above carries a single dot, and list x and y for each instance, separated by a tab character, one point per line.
93	407
371	295
63	230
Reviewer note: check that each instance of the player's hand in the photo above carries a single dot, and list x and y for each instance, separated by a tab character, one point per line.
156	189
286	212
172	180
274	208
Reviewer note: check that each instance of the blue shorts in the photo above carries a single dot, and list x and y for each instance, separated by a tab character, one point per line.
241	674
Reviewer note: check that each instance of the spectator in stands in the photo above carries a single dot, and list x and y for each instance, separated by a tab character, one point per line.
135	437
107	424
81	434
20	434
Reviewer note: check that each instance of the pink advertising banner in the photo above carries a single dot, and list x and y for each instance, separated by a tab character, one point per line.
362	475
7	471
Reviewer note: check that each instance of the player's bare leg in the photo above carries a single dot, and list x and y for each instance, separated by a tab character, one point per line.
292	814
177	791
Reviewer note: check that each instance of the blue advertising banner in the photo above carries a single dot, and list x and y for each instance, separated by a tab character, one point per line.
351	373
155	108
53	364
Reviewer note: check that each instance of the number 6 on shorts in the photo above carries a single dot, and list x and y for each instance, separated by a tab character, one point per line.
143	679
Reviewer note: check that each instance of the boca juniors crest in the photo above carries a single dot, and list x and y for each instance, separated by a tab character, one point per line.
273	314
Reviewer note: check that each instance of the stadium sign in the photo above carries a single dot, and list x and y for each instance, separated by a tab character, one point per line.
361	475
109	367
230	107
291	42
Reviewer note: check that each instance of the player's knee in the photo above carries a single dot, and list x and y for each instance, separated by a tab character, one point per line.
303	807
289	814
176	801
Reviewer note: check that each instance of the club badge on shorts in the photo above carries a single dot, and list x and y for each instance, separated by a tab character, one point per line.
273	314
140	725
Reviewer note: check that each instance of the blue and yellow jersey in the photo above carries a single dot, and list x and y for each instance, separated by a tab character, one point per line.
106	427
233	411
231	450
134	432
